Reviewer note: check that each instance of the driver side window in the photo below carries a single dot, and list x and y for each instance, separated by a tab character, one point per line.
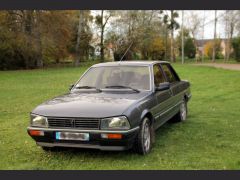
158	75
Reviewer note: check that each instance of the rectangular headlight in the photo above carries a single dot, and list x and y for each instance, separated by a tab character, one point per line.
115	123
39	121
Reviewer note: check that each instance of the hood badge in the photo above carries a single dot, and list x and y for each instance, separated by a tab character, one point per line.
72	121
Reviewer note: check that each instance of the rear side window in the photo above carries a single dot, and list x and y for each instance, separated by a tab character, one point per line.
171	75
158	75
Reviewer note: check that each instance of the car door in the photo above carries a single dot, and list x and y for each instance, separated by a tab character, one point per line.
172	77
163	98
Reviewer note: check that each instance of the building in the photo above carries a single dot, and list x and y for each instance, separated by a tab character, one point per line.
201	43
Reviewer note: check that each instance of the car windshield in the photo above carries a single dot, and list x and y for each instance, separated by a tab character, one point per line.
116	77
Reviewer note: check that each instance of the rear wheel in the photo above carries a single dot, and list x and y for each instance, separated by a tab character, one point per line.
144	138
183	111
182	114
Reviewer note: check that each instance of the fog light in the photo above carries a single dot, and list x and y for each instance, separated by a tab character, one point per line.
36	133
111	136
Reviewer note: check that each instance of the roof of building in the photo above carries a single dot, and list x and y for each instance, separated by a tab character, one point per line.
202	42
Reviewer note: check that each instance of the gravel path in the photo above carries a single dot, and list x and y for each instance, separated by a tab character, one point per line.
222	65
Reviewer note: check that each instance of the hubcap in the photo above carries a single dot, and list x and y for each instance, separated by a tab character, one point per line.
183	111
146	137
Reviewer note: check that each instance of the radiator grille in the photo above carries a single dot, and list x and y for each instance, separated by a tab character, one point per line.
83	123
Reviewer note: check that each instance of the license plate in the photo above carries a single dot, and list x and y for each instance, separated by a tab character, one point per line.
72	136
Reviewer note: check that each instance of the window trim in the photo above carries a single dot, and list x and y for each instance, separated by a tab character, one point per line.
172	71
149	69
159	65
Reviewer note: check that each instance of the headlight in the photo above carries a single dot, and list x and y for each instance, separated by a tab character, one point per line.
120	122
39	121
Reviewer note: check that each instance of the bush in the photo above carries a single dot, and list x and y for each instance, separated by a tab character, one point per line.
157	49
15	52
236	48
189	48
208	49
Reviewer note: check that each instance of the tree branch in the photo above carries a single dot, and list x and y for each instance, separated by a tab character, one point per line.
106	20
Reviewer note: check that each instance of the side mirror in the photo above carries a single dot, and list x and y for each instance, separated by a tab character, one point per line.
163	86
70	87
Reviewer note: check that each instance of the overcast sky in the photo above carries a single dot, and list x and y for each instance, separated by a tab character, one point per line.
209	22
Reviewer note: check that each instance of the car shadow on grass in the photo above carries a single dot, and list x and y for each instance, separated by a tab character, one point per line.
69	151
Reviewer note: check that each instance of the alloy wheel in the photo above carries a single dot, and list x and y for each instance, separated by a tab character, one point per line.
183	111
146	137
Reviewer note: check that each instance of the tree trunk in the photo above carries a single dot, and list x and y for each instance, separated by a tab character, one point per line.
226	36
102	33
230	40
80	28
182	38
166	43
39	60
214	41
172	39
28	22
28	29
202	57
196	48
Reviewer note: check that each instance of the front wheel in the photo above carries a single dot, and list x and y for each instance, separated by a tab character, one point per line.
144	138
45	148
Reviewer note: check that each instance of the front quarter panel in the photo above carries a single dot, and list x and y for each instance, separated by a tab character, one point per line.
136	112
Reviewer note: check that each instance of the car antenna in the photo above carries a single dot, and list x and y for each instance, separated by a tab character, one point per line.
126	51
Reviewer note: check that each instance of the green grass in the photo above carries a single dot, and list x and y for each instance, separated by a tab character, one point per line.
209	139
206	60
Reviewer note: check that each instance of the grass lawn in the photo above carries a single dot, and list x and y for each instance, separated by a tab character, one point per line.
209	139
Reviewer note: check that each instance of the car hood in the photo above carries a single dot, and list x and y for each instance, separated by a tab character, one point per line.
100	105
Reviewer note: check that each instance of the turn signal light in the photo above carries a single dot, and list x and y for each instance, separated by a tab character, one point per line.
111	136
36	133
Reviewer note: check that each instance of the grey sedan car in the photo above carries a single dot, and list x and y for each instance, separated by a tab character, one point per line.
113	106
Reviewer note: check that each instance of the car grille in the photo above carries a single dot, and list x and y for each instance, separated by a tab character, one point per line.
83	123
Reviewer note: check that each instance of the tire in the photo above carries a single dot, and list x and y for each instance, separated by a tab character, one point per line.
181	116
145	137
45	148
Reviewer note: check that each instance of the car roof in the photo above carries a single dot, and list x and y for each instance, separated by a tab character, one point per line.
130	63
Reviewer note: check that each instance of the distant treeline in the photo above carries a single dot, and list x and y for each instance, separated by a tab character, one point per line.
37	38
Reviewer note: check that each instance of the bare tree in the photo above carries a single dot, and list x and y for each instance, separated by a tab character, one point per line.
172	25
203	29
101	21
166	43
215	36
231	19
38	39
194	28
182	37
172	38
28	30
80	28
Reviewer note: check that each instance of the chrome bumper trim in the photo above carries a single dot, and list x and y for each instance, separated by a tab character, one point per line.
89	146
84	130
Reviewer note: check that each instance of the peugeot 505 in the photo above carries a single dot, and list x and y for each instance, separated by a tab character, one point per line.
113	106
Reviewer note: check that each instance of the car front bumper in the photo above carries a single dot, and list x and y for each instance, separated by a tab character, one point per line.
48	139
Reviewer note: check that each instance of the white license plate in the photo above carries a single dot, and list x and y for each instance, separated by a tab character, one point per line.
72	136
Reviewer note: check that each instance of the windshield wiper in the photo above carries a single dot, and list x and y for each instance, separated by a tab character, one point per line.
88	87
122	87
